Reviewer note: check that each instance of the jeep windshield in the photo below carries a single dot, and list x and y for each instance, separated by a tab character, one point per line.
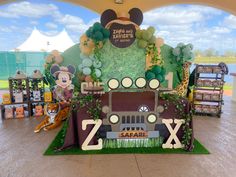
132	101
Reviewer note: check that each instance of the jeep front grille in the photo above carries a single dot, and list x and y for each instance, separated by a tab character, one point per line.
132	122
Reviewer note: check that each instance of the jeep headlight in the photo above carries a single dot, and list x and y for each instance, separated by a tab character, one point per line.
114	118
152	118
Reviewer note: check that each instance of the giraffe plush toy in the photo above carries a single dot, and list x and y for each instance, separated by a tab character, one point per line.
182	88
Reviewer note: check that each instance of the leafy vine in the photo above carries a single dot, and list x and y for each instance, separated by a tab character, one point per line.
179	107
97	56
92	103
79	101
49	79
151	50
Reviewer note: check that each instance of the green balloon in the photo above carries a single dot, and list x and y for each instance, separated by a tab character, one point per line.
97	26
98	72
156	69
146	35
89	32
151	29
163	72
152	40
106	33
142	43
138	34
149	75
98	36
160	78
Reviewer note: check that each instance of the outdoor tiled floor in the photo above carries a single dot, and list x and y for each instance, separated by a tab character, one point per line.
21	153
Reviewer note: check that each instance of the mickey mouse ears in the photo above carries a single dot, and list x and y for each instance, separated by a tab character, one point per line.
56	69
135	16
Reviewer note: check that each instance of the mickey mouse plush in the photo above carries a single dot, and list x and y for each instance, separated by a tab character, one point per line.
64	87
123	26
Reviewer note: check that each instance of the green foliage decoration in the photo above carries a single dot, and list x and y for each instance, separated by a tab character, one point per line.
91	65
138	143
79	101
122	62
49	79
90	101
97	32
146	40
180	104
156	58
183	53
145	37
156	72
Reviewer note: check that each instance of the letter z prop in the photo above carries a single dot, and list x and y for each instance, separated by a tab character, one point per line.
97	124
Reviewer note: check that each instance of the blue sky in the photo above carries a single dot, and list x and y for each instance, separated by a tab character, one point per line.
203	26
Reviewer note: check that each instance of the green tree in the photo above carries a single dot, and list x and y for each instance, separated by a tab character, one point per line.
210	52
198	53
229	53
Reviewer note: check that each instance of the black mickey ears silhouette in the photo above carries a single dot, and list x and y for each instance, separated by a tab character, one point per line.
109	15
136	16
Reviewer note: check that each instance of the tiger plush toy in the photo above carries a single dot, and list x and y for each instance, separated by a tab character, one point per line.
53	117
55	113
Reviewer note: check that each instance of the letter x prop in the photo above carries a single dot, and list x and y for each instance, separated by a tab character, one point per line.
173	133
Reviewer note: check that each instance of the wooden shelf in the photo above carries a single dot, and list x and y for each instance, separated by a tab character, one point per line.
205	77
208	89
215	76
14	103
37	101
27	86
214	101
209	114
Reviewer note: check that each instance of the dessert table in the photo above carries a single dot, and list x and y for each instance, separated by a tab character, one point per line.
75	135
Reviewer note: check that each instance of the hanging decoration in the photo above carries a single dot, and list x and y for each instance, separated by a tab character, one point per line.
122	26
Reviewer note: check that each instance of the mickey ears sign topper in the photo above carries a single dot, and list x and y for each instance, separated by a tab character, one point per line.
122	26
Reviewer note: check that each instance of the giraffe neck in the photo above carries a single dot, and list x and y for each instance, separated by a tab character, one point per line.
182	87
185	74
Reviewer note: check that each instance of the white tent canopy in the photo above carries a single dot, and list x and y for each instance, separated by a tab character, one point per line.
38	42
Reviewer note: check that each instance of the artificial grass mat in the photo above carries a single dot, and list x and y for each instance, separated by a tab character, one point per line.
57	142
